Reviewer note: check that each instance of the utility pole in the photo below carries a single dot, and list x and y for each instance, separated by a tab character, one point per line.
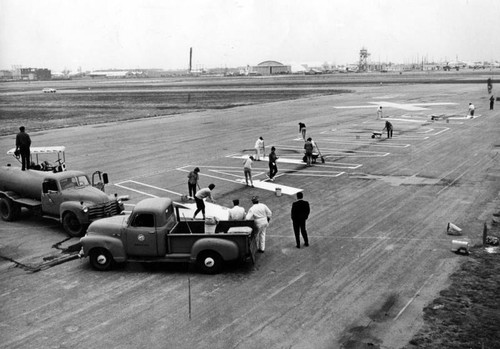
190	59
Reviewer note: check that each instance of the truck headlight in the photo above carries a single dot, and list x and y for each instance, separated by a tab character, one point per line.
85	209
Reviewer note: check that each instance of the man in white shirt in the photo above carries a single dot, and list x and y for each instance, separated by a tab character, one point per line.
247	170
471	109
237	213
261	214
259	145
205	193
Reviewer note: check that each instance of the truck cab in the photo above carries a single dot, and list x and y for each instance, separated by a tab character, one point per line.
154	232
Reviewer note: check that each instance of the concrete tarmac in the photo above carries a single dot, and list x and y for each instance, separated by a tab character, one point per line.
378	244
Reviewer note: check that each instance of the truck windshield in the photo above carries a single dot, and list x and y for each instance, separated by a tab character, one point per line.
73	182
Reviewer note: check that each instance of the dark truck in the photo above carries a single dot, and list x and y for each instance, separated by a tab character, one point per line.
154	232
69	197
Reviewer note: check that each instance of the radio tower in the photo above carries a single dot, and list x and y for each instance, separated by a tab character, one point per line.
363	60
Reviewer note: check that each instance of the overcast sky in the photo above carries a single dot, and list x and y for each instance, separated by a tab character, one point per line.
102	34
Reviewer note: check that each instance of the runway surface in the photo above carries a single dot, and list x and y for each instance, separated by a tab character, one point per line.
378	245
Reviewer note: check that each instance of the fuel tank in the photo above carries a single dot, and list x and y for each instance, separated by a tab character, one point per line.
29	184
25	183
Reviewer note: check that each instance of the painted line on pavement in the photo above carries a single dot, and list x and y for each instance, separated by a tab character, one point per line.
300	162
260	184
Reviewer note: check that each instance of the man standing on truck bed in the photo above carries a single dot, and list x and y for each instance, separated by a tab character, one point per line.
200	195
23	143
261	214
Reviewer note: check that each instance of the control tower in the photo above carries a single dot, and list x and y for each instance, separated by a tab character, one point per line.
363	60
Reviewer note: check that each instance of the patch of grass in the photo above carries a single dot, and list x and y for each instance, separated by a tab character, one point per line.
72	107
467	314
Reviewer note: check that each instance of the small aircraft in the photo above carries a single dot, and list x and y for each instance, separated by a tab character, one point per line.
454	65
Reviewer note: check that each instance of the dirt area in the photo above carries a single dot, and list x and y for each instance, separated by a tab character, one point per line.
467	314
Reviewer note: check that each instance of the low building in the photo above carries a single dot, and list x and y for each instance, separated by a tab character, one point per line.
6	75
35	74
117	74
271	68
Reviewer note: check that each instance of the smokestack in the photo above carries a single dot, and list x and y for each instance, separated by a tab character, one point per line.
190	58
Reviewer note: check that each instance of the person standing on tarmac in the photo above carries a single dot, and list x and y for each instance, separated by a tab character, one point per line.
273	168
247	170
23	143
388	127
200	195
259	145
302	130
300	213
308	146
261	214
492	102
471	109
193	182
237	213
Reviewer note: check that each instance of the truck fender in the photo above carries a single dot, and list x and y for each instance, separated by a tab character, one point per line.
113	245
9	195
227	249
76	208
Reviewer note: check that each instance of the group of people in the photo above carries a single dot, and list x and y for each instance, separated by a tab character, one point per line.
310	147
260	151
258	212
261	215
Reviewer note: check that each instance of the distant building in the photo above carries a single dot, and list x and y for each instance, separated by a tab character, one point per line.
117	74
6	75
35	74
271	68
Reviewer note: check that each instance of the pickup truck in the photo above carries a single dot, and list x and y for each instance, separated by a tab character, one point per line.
69	197
154	232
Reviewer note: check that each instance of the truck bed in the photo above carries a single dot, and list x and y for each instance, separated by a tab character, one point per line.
184	235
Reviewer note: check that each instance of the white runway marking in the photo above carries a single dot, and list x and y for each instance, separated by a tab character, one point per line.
444	129
145	185
384	104
300	162
260	184
365	143
271	186
211	210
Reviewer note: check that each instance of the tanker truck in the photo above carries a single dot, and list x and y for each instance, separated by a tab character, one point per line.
67	196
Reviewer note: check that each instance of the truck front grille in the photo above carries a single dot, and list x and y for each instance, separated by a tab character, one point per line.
108	209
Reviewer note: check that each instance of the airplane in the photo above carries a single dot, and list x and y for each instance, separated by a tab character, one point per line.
454	65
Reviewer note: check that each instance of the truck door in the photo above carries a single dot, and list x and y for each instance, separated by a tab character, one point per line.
141	235
51	197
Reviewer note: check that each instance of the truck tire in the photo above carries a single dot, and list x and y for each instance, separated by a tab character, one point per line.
101	259
72	225
9	210
209	262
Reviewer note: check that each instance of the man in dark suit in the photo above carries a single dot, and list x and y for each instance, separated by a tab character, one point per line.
300	213
23	143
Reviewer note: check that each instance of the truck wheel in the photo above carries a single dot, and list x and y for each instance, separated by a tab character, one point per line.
209	262
9	210
101	259
72	225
